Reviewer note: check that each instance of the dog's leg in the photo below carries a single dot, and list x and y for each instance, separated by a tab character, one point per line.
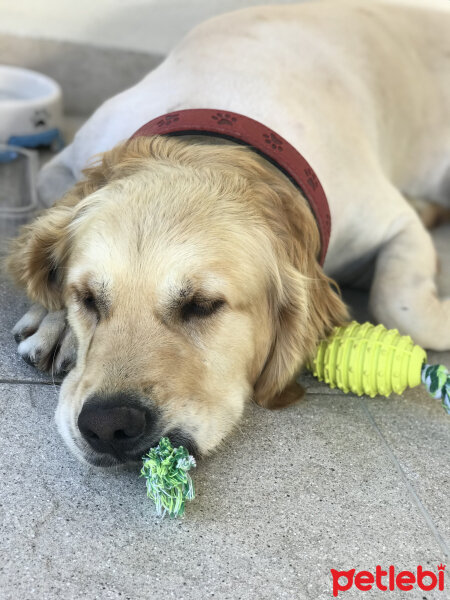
431	214
45	340
404	293
29	323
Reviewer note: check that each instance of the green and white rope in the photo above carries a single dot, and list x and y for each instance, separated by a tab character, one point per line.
168	483
437	381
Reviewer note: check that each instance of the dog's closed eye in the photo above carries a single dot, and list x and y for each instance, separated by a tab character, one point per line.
200	308
87	302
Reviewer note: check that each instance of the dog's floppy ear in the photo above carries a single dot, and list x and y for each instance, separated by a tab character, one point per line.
305	303
37	257
303	314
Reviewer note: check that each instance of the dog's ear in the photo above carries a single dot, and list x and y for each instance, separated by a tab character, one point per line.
305	303
37	256
291	394
303	313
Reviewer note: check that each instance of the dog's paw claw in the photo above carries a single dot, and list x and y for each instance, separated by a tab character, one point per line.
29	323
49	345
62	368
31	360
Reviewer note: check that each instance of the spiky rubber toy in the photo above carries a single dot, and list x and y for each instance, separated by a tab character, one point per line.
373	360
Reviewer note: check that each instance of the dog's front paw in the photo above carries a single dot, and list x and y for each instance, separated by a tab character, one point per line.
45	340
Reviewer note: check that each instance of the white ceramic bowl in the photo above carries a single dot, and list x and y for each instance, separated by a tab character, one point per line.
30	108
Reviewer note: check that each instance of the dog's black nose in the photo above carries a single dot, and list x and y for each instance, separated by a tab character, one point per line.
116	424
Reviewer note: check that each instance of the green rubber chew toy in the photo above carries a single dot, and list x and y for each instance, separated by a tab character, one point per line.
363	359
169	484
373	360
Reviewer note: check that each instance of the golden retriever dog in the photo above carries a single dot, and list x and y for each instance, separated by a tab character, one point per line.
178	277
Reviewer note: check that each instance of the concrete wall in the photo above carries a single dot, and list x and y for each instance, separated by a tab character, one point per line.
151	26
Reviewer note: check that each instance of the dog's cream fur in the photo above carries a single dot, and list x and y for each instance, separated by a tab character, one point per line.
362	89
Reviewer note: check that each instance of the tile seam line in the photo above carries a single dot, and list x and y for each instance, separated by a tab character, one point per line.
411	491
311	392
26	382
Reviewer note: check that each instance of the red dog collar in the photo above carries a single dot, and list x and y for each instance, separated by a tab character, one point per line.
263	140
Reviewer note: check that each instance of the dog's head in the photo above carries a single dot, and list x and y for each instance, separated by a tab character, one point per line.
190	278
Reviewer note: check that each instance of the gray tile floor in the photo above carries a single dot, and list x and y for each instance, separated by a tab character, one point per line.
333	482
